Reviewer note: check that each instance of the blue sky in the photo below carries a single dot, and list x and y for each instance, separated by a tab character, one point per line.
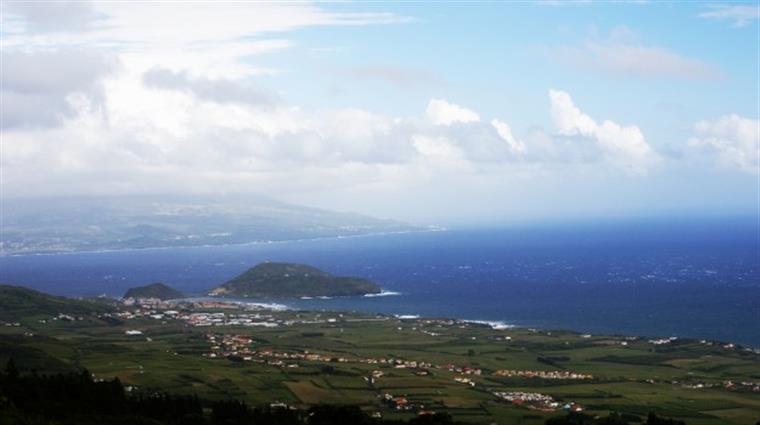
456	112
502	58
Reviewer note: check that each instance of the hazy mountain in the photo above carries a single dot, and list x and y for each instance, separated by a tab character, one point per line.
84	224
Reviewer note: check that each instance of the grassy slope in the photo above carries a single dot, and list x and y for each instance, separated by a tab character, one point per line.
17	302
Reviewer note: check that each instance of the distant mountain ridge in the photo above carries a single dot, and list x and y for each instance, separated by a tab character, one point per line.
280	280
113	223
154	290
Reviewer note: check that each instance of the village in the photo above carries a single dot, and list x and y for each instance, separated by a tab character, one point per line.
238	348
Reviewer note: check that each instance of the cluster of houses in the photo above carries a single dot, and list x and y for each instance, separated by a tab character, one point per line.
224	319
237	347
542	374
726	346
752	386
399	402
663	341
374	376
230	345
162	310
464	370
463	380
537	401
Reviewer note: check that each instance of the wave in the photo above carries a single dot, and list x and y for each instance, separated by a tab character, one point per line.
268	306
407	316
383	293
494	324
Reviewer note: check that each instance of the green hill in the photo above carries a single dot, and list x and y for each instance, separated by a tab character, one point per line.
154	290
17	302
272	280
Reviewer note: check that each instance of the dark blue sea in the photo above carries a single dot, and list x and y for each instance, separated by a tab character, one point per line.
657	277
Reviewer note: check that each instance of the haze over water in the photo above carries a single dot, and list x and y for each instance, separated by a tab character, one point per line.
698	278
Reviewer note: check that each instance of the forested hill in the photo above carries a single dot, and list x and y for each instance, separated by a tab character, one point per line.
154	290
282	280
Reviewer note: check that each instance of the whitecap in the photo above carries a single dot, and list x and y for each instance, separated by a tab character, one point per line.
383	293
268	306
494	324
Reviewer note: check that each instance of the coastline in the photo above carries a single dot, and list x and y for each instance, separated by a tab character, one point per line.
242	244
497	325
506	281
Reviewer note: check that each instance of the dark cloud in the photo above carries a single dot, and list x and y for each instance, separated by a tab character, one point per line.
219	91
54	16
35	86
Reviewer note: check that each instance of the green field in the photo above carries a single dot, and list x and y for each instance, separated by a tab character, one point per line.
699	382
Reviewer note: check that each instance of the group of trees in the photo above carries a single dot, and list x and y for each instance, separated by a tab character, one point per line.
76	398
613	419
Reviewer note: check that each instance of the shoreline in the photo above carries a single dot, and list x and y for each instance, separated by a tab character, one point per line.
241	244
497	325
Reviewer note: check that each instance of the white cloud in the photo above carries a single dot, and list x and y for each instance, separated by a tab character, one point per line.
207	38
205	45
740	15
441	112
567	118
179	141
624	146
437	147
505	132
733	140
622	54
169	99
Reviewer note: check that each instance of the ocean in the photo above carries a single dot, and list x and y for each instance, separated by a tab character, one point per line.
695	278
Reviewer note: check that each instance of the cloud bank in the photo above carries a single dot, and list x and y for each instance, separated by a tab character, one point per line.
176	100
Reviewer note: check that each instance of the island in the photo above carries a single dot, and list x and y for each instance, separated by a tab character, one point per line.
287	280
154	290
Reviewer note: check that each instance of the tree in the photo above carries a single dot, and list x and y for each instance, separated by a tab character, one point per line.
10	369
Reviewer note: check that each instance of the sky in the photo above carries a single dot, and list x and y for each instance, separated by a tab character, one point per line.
430	112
